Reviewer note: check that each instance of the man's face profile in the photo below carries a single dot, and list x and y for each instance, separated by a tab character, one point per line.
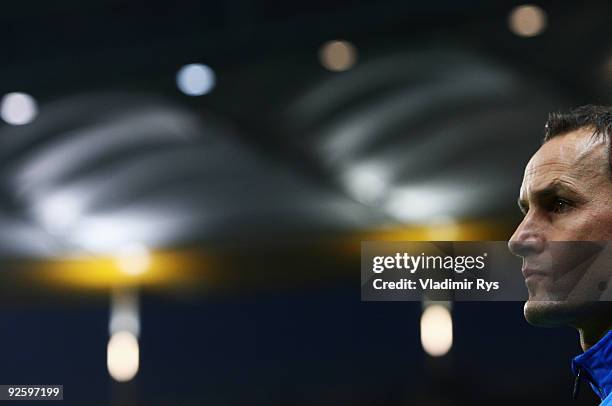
566	195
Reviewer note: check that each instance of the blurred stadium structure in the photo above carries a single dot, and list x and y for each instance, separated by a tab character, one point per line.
231	217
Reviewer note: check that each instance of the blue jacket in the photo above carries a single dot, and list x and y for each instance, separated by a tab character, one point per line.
595	365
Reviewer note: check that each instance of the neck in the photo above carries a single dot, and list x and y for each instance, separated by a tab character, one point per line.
590	335
595	323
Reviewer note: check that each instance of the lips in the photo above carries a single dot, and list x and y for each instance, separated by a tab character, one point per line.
527	272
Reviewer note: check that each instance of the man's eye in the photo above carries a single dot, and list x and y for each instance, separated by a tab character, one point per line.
561	206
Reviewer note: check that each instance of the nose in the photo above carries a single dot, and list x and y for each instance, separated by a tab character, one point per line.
527	239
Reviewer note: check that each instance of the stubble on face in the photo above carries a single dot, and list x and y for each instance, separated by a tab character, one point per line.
577	165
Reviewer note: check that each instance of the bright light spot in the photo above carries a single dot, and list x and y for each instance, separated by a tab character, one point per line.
527	20
18	108
109	233
123	356
58	212
436	330
195	79
99	235
134	259
338	56
367	183
420	204
443	228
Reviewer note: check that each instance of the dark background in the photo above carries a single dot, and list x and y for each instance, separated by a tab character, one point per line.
258	189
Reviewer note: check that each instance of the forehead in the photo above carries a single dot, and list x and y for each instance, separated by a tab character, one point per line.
575	158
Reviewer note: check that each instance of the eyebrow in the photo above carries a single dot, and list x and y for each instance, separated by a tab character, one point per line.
555	188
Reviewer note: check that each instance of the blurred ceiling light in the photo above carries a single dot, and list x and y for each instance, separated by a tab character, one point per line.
100	235
436	330
422	204
98	271
195	79
366	183
125	320
109	233
18	108
58	212
527	20
338	56
443	228
125	313
123	356
134	259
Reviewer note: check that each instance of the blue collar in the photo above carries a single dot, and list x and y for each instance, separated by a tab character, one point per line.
596	364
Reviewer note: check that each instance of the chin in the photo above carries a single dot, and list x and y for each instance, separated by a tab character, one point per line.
552	313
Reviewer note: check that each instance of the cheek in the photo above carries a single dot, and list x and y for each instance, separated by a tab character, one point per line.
599	214
597	226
